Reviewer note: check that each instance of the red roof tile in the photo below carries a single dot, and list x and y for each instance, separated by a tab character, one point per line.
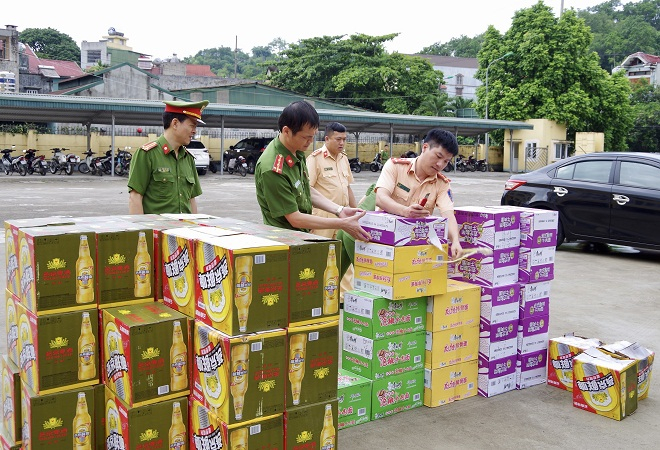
199	70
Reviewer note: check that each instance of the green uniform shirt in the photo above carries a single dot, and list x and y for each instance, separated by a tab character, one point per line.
282	183
166	183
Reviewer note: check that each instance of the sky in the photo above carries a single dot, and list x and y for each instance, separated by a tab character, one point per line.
163	29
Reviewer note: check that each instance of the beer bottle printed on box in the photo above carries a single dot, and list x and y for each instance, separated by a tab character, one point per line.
178	270
297	347
214	297
239	377
84	273
328	431
239	439
86	350
142	266
178	359
82	425
177	435
11	262
243	296
331	284
27	276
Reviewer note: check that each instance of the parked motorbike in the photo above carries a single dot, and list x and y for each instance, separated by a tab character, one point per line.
461	163
471	163
449	167
123	161
355	165
238	165
35	164
377	163
212	167
91	164
61	162
11	164
482	165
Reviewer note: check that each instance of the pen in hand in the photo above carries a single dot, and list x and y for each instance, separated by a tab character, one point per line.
422	202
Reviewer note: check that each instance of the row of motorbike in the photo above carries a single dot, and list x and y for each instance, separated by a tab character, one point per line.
462	164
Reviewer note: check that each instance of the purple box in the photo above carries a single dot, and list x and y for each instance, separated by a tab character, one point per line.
484	227
536	264
538	227
533	334
499	340
499	269
391	229
534	299
496	376
500	304
531	369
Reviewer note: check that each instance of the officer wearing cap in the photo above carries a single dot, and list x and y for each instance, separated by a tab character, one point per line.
163	177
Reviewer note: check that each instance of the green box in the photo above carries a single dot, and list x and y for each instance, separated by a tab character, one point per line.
376	317
381	358
11	401
397	393
354	398
304	426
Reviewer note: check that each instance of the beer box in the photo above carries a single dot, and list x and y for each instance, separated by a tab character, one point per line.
644	358
382	358
495	270
534	299
561	351
498	340
500	304
159	425
61	420
397	393
207	431
313	361
146	353
58	271
486	227
452	346
377	317
536	264
99	416
390	229
187	216
354	399
11	401
239	377
401	286
457	307
531	369
244	284
496	376
311	427
11	326
605	384
58	351
451	383
397	260
533	334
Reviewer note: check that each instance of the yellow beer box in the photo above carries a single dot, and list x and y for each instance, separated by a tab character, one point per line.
59	421
11	401
239	378
605	384
644	358
459	306
401	286
561	351
11	326
58	351
311	427
207	431
451	383
244	283
313	362
396	260
452	346
146	352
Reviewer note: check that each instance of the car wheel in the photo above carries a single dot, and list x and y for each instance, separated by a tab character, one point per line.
201	171
560	233
213	168
251	166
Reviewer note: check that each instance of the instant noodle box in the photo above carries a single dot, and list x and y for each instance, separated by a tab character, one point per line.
401	286
397	393
397	260
459	306
451	383
500	304
452	346
561	351
605	384
311	427
244	283
533	334
644	358
390	229
496	376
498	340
58	351
488	227
534	299
354	399
159	425
239	378
494	270
11	402
207	431
536	264
538	227
531	369
146	353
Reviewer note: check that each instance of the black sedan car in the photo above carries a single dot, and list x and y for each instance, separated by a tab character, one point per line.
611	197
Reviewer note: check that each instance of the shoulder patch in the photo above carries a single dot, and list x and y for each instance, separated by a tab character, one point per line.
444	178
278	164
149	146
317	152
402	160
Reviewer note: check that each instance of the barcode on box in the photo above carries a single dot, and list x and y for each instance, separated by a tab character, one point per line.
470	385
165	389
313	336
256	346
367	353
416	397
255	429
259	259
367	312
362	411
417	359
418	320
316	312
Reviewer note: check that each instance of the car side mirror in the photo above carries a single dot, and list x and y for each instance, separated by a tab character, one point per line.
231	147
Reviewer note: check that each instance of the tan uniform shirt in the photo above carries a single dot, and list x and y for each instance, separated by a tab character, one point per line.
331	177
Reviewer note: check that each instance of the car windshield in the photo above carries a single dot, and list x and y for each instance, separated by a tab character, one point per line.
195	145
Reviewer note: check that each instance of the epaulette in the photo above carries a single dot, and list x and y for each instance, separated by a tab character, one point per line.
149	146
278	164
317	151
444	178
402	160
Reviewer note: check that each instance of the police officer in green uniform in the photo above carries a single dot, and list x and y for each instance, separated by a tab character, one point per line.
163	177
282	181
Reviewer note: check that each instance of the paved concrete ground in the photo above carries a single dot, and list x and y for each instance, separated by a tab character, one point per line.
610	294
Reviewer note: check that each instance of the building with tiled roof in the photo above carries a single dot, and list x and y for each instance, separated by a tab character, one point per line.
41	75
459	74
641	65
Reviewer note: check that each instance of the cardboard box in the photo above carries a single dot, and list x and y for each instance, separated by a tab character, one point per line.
354	399
498	269
480	226
382	358
60	420
53	354
311	426
533	334
11	402
500	304
604	384
377	317
207	431
313	361
147	426
11	327
531	369
451	383
244	283
644	358
536	264
538	227
498	340
397	260
459	306
390	229
453	346
397	393
146	353
534	299
6	445
496	376
99	416
401	286
239	377
561	351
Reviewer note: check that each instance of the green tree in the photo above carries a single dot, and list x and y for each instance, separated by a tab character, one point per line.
437	105
50	44
553	75
645	134
225	62
463	46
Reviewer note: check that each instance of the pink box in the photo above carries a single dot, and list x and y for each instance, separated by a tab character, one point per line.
531	369
536	264
499	340
534	299
499	269
500	304
390	229
533	334
496	376
487	227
